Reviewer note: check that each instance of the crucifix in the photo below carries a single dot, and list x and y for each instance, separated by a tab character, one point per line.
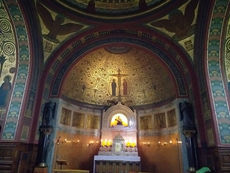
119	76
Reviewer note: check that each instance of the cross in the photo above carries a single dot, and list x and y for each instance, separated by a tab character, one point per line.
119	76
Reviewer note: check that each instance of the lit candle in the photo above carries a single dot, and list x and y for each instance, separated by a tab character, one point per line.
127	144
133	144
103	143
110	142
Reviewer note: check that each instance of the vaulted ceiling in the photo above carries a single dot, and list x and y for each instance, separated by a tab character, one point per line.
150	80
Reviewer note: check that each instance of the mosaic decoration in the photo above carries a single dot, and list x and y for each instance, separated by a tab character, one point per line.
180	25
62	63
220	102
65	117
108	7
146	122
159	120
55	28
7	59
227	55
25	132
171	118
78	120
93	121
22	71
188	45
154	122
137	77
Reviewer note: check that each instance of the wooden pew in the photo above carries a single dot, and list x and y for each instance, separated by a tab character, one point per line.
70	171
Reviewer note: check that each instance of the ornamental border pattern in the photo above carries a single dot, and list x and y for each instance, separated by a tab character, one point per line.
227	53
23	56
218	93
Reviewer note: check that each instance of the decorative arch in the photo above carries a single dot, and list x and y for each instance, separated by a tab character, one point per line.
170	53
173	56
23	68
64	67
215	80
119	109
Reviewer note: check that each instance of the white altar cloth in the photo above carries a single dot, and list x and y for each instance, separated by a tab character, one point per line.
115	158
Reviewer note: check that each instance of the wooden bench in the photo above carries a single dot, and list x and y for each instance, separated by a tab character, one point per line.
70	171
140	172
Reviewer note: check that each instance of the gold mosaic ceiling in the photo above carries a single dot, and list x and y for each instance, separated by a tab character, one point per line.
112	8
143	78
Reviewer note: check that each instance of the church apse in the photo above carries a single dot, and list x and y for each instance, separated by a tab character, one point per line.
118	82
132	77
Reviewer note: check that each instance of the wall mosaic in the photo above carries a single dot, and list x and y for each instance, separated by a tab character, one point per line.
96	79
82	121
227	54
146	122
180	25
23	55
64	66
154	122
111	7
56	28
78	120
218	91
7	59
25	132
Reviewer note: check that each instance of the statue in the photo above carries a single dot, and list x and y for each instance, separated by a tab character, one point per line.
189	131
48	113
119	121
45	129
186	115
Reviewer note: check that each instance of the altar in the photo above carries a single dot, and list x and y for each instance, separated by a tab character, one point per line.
114	164
118	151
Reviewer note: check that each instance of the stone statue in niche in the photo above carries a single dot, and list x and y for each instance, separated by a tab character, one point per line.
48	113
189	131
45	130
187	117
